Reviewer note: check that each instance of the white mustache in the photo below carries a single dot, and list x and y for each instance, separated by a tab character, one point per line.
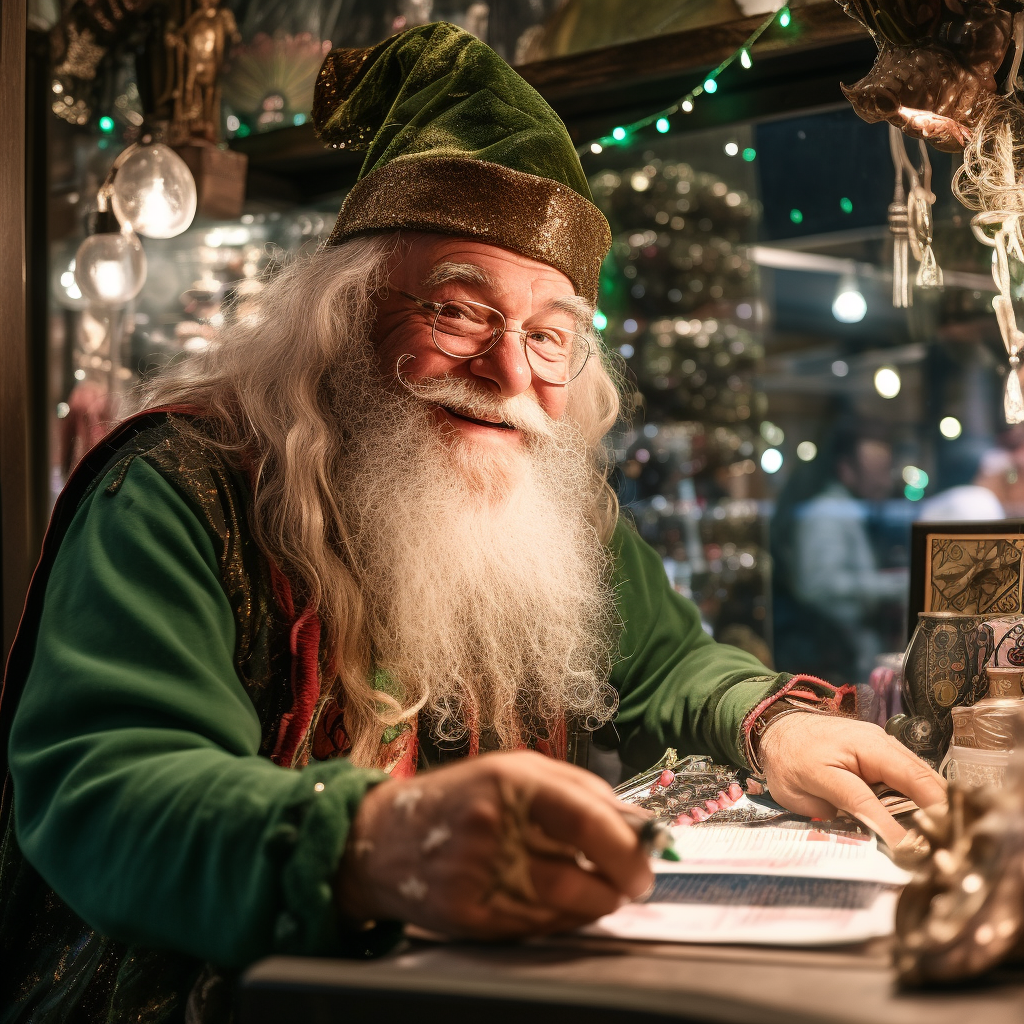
461	396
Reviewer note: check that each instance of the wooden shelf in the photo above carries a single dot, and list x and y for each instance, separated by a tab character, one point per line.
797	68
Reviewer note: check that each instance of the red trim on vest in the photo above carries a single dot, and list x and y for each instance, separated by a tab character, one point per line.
304	643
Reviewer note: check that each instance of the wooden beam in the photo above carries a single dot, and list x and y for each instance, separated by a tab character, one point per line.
16	549
797	68
577	80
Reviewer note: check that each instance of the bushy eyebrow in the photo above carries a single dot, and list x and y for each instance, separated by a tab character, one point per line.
576	306
464	273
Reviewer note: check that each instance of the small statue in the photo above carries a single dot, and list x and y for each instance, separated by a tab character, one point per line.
936	64
198	48
963	913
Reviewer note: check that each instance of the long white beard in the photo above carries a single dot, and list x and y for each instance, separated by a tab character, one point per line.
485	585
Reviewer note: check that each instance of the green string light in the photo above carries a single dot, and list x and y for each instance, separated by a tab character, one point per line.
749	154
660	119
600	320
846	205
106	124
796	216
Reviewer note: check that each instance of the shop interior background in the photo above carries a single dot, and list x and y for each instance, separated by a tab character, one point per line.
787	424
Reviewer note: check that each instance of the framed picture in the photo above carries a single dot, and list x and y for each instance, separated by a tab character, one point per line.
967	568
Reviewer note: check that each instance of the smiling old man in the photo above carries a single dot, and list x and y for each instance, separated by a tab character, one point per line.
370	533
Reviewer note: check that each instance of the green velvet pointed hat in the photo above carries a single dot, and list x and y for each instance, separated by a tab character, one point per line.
457	143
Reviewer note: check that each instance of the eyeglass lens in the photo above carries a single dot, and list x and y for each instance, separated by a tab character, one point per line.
466	329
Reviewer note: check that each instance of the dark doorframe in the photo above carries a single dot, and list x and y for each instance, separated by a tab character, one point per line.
17	512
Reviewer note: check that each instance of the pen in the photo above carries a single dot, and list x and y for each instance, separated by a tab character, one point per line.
654	834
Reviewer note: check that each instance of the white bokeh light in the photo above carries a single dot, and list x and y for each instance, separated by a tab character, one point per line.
849	306
806	451
771	460
950	428
887	381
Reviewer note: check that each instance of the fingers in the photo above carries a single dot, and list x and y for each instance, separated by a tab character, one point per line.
599	830
852	794
571	891
890	762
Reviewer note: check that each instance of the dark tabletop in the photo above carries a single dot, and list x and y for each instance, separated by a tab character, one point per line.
603	981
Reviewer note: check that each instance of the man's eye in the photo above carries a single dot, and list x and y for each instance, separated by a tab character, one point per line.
457	311
547	339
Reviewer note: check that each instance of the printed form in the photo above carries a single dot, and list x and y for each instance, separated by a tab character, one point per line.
768	885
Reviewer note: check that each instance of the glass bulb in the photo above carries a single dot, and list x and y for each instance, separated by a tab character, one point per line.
154	192
110	268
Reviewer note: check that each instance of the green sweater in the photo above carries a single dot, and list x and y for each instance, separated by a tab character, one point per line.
140	797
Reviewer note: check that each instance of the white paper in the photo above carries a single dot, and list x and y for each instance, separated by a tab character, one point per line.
764	886
759	926
771	850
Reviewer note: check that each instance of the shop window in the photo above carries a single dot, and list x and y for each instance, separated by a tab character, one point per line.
788	422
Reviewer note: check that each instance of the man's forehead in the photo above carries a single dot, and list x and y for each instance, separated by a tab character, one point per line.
493	263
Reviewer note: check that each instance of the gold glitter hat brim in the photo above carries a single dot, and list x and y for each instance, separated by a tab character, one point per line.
533	216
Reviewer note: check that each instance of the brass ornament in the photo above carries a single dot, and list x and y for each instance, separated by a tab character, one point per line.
963	913
911	222
935	69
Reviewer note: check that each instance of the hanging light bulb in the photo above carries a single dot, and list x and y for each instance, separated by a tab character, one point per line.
154	191
110	265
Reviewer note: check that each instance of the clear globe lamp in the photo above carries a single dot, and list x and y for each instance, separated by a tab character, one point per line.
110	268
154	192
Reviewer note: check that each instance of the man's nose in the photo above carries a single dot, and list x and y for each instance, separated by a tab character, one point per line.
505	365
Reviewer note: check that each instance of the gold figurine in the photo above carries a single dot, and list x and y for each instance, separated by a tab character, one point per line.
198	48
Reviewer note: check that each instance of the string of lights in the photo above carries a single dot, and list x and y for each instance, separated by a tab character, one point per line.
660	119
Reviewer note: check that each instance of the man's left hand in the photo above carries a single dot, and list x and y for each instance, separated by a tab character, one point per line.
816	764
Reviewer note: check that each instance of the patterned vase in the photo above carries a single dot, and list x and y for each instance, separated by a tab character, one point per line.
942	669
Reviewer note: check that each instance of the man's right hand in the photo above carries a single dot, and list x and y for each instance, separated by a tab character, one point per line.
494	847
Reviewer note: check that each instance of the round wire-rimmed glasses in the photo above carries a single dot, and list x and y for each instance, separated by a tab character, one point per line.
464	329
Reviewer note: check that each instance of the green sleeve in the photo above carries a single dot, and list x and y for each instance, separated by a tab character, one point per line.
139	794
677	687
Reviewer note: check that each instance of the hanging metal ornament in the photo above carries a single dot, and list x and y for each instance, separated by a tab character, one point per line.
1001	231
911	223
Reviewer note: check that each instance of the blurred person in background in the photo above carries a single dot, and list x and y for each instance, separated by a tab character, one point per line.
831	594
972	475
